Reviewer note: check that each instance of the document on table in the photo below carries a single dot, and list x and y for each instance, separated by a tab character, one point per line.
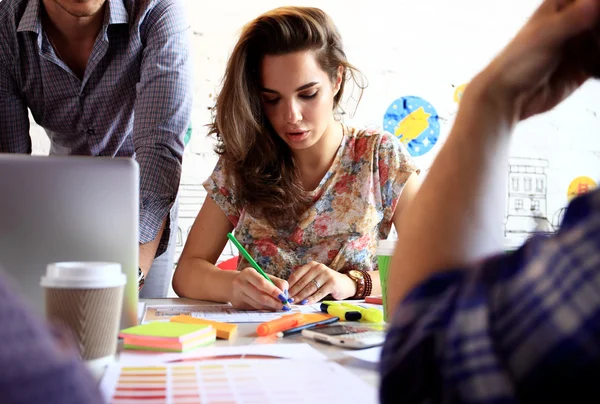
263	351
141	309
222	312
369	355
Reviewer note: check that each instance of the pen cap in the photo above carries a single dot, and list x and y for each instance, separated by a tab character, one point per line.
343	312
326	304
281	324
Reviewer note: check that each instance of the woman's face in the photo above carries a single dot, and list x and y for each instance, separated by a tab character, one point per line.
297	97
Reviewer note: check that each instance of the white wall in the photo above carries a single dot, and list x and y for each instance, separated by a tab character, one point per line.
424	48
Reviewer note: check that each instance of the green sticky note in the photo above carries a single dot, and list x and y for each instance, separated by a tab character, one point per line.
166	330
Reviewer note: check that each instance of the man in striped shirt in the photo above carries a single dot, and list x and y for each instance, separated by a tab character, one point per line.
521	326
103	78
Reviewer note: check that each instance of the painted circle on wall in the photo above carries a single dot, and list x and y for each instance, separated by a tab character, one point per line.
415	122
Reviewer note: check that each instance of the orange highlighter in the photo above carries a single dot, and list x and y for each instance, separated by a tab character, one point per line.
281	324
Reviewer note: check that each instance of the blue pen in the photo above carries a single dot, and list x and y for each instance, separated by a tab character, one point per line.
295	330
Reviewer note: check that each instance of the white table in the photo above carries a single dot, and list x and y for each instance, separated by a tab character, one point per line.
247	336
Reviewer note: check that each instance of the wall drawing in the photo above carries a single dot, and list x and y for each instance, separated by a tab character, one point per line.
526	205
415	122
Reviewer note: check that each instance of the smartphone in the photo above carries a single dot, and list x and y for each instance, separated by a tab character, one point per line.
347	336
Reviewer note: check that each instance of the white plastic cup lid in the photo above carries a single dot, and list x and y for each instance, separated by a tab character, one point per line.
83	275
386	248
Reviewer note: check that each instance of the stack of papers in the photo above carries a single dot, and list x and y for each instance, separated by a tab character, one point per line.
224	313
168	337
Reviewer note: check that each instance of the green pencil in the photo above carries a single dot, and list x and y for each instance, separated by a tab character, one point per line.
248	258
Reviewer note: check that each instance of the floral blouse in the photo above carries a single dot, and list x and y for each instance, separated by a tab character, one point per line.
352	209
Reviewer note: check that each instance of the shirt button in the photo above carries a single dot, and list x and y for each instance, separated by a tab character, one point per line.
91	131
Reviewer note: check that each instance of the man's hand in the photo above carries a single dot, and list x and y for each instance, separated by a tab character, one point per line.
537	69
148	251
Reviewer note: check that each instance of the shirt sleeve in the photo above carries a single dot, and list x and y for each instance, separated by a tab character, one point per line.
519	327
217	189
162	115
14	120
394	167
35	367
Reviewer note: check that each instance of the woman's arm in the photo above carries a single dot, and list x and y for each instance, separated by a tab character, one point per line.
456	217
408	193
196	275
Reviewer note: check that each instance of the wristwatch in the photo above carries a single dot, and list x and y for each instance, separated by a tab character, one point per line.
363	282
140	279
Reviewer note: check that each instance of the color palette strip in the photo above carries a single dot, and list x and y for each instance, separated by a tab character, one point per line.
236	381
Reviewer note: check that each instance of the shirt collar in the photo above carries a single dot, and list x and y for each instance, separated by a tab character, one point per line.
117	13
31	19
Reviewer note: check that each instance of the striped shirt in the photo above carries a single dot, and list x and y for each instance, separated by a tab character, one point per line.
519	327
134	99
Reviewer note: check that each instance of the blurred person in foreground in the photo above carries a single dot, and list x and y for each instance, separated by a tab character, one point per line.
39	363
516	327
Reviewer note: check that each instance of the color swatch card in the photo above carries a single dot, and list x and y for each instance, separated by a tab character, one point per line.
236	381
169	337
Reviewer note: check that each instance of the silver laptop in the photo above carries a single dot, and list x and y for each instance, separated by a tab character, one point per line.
68	209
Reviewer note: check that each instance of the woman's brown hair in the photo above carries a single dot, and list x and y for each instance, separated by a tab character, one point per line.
260	166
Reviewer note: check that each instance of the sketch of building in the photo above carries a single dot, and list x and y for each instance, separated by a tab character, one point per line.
558	217
526	205
191	198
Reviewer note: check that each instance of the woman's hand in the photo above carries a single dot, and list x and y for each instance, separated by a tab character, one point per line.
312	282
538	68
253	292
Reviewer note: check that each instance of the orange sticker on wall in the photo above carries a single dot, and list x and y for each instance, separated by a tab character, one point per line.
458	93
580	186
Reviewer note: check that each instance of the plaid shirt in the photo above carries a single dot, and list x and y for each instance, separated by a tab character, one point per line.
520	327
134	99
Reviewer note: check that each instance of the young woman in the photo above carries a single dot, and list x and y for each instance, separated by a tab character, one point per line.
307	196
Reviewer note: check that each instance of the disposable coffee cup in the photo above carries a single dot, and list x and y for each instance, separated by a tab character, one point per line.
385	251
87	298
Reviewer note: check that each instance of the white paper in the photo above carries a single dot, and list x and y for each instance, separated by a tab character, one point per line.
369	355
141	310
268	381
267	351
223	313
